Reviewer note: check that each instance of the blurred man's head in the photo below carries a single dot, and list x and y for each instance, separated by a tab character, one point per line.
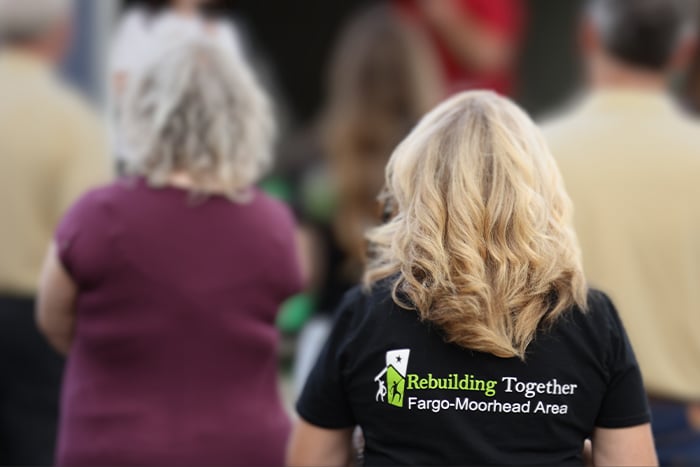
38	26
637	36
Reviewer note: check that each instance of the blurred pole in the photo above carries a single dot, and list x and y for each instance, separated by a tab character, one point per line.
85	65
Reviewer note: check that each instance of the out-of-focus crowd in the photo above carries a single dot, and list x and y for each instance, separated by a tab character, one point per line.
198	220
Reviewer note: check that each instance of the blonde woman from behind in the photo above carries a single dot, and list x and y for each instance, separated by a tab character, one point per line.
476	339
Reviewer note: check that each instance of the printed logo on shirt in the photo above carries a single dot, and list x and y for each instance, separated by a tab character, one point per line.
392	378
394	382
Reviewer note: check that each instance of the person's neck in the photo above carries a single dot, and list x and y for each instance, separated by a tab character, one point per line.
185	9
606	73
36	52
183	180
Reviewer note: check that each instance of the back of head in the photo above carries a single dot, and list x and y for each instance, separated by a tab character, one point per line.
382	65
382	80
28	21
640	33
482	244
199	110
693	82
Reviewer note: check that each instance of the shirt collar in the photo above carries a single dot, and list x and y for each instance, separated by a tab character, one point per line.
17	61
628	101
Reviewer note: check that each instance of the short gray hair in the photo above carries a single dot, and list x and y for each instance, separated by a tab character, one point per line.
199	109
30	19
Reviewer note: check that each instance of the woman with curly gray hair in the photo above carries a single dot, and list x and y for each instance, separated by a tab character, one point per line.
163	288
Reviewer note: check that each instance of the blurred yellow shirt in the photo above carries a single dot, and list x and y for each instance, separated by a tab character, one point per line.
52	148
631	164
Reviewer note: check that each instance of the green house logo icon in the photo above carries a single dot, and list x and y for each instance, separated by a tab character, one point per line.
391	380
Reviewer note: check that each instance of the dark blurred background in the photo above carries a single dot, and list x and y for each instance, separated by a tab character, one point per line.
295	41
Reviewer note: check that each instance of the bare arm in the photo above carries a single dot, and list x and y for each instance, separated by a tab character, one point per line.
632	446
314	446
588	453
55	312
310	254
472	44
120	80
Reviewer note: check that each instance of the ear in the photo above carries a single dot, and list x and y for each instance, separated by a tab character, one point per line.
685	53
588	37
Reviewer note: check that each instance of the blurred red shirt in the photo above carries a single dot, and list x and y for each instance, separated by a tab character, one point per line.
504	18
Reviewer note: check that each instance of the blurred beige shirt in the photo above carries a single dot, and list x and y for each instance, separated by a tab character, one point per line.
631	163
52	148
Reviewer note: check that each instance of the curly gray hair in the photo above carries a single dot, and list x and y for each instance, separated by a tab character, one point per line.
201	111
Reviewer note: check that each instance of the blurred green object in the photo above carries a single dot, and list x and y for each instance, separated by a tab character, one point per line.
277	187
294	313
318	197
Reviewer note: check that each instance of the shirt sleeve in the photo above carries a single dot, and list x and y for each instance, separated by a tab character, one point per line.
82	240
625	402
287	270
324	401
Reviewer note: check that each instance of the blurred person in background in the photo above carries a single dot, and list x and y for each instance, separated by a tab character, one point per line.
52	148
692	87
147	31
383	78
163	288
631	162
477	41
475	316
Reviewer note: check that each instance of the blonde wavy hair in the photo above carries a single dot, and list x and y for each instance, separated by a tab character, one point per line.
199	110
482	243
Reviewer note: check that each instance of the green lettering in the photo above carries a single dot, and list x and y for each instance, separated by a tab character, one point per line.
432	383
464	383
490	388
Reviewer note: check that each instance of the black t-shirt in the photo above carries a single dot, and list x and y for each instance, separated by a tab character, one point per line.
420	400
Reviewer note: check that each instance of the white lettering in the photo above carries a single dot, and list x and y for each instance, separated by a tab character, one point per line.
508	380
554	409
532	388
